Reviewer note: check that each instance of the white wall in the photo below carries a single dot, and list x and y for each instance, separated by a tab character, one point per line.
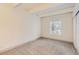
17	27
76	27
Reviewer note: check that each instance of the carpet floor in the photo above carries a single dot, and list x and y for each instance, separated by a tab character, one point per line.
43	46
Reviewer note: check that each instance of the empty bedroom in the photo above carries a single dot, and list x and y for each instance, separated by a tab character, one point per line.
39	28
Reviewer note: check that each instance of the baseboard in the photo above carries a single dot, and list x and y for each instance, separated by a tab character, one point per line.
57	40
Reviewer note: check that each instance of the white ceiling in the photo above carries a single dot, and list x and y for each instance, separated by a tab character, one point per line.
35	7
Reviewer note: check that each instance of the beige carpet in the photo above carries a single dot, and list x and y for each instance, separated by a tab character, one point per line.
43	47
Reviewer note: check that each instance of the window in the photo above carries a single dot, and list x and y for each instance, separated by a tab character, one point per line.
56	27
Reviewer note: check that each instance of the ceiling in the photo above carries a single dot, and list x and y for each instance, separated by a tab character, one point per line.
34	7
7	5
29	7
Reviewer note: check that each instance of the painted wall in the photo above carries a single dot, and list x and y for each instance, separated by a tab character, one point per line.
66	18
17	27
76	27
